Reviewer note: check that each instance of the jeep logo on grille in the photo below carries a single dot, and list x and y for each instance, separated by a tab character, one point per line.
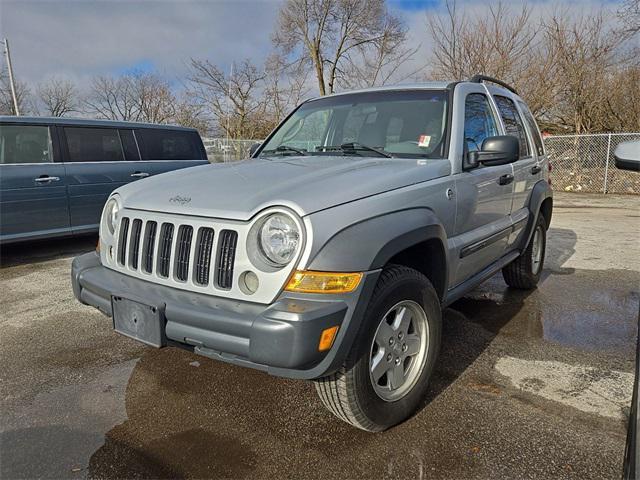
180	200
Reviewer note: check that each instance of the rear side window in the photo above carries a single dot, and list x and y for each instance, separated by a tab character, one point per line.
93	144
513	123
164	144
533	128
479	122
25	144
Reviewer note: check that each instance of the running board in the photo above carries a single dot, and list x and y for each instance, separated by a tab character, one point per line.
471	283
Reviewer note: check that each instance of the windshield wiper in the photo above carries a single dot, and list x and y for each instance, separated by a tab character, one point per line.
353	147
286	149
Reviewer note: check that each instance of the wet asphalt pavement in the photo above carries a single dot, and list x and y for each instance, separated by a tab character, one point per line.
528	384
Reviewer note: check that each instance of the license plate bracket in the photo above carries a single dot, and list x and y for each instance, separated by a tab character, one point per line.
139	321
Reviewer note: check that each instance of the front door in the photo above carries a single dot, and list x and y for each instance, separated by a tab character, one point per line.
33	195
484	196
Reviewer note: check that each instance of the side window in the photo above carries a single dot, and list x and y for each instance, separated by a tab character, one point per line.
479	122
25	144
165	144
533	128
87	144
129	145
513	123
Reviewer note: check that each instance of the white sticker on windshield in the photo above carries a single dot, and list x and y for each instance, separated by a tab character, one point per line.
424	140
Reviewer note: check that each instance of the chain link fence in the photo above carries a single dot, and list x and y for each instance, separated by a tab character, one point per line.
581	163
585	163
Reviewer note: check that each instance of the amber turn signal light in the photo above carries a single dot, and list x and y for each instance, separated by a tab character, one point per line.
323	282
327	338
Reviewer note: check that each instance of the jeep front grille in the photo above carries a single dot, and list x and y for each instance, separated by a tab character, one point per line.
177	251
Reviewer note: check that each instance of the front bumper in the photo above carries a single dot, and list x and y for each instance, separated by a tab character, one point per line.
281	338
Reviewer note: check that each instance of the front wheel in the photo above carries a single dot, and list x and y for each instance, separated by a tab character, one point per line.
524	272
388	368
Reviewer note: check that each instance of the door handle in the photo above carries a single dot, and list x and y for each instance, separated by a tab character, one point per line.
505	179
536	169
46	178
139	174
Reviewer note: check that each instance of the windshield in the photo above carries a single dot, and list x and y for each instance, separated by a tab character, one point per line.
388	123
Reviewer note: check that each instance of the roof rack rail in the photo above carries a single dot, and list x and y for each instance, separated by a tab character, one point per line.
485	78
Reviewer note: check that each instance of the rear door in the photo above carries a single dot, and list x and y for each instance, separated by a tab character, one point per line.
483	194
525	169
95	166
33	197
164	149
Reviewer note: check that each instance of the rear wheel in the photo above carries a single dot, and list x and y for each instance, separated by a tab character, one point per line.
386	373
524	272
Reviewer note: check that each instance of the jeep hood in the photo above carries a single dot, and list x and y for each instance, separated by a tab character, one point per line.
304	184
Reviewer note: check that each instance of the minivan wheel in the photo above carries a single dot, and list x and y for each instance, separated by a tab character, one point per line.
524	272
386	374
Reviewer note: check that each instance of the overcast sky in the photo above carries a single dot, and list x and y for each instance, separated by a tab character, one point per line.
82	38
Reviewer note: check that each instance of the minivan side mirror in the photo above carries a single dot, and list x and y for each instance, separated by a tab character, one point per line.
498	150
254	148
627	156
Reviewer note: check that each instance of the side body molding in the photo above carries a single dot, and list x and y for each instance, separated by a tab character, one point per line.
369	244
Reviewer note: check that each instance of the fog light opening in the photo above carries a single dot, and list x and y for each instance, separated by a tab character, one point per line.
249	282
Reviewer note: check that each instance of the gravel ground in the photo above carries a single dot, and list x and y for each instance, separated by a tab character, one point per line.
528	384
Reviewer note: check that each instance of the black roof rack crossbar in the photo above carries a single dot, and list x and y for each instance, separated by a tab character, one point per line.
485	78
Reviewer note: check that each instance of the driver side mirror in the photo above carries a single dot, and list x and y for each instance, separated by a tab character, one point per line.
254	148
498	150
627	156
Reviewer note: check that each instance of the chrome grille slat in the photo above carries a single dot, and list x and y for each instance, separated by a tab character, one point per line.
183	251
226	259
134	249
164	249
122	241
204	248
149	246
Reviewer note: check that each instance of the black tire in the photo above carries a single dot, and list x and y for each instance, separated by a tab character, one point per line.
521	273
349	393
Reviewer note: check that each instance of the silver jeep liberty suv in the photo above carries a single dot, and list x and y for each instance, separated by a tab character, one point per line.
329	254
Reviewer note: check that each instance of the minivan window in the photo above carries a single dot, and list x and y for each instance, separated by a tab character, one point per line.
129	145
165	144
25	144
93	144
513	123
479	122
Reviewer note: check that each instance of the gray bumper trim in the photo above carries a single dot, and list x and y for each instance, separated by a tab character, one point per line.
281	338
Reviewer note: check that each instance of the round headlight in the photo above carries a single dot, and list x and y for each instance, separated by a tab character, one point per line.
278	238
111	210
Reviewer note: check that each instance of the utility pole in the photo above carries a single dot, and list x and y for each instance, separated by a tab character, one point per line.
11	80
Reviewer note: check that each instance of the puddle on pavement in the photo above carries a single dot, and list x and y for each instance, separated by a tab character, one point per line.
587	309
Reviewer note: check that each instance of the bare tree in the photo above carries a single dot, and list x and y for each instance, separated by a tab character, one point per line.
584	53
23	95
59	97
499	43
234	101
629	15
337	36
136	96
285	86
